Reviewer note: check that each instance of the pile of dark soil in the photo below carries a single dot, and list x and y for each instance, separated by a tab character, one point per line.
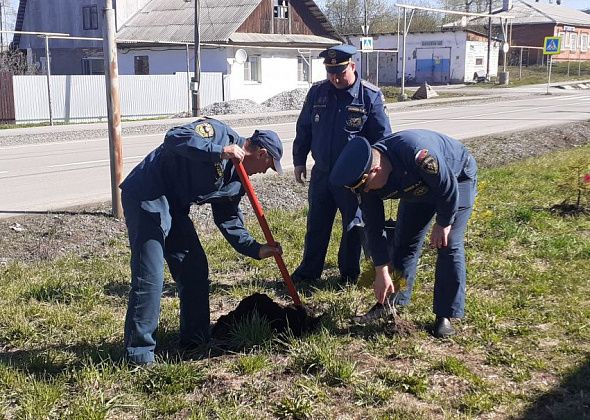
294	319
565	209
386	315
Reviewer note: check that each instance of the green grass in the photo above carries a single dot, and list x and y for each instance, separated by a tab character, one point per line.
533	75
523	348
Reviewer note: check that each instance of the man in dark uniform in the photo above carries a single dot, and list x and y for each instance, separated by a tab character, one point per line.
433	175
193	165
335	110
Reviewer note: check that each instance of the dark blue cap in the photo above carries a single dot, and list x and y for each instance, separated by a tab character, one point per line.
352	164
337	58
270	141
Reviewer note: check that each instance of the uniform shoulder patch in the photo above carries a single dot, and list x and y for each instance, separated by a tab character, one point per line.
205	130
426	162
369	86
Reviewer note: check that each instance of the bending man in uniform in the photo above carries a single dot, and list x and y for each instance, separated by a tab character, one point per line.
335	110
433	175
193	165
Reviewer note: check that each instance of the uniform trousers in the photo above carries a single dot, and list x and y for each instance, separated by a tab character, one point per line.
157	235
324	199
413	222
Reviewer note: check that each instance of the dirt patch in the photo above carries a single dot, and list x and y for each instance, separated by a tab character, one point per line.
88	230
282	319
565	209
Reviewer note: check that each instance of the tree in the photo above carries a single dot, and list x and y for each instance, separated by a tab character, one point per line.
348	16
15	62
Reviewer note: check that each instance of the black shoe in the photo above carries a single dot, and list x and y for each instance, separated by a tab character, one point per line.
298	278
443	327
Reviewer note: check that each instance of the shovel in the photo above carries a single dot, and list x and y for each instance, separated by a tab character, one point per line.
266	229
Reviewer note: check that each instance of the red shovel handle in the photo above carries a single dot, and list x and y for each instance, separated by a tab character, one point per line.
266	229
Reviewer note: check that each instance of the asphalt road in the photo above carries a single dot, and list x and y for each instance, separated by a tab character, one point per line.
51	176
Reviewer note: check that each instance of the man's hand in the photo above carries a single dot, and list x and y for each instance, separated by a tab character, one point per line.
383	285
233	151
267	250
300	173
439	237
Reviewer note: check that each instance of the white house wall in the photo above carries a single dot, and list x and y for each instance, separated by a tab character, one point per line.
279	74
479	50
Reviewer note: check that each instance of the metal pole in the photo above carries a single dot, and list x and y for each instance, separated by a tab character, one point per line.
579	62
1	28
550	59
196	80
366	33
377	70
402	95
111	68
188	78
520	65
48	74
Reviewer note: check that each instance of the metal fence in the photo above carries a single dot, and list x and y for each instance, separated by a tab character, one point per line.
83	98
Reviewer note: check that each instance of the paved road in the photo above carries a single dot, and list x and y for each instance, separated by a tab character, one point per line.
50	176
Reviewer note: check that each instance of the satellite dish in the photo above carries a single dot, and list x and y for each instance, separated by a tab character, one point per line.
241	56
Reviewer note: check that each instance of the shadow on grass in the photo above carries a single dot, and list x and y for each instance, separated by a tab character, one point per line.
569	400
54	360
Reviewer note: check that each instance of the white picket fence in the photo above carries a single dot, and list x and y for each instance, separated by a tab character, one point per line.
83	98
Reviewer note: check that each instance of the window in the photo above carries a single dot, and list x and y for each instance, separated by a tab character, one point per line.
141	64
92	65
281	9
479	61
302	69
431	43
90	17
573	41
562	36
584	42
252	70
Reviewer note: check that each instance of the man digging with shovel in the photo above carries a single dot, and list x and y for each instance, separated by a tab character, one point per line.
194	164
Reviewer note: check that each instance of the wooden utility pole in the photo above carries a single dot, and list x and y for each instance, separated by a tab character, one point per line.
111	72
196	80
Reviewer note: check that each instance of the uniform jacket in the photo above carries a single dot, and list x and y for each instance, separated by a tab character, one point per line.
426	167
187	168
330	117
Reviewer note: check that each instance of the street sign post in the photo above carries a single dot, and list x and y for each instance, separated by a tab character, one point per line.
366	43
551	46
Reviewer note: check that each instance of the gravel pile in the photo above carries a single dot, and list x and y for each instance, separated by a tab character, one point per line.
236	106
287	101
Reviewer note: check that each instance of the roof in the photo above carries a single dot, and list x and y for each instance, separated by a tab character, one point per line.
279	39
173	20
529	12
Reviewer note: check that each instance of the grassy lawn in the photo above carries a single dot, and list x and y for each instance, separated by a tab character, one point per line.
533	75
523	346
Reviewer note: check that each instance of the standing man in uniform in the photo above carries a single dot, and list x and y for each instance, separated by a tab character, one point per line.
433	175
193	165
335	110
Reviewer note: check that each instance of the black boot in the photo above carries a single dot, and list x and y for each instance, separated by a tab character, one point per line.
443	327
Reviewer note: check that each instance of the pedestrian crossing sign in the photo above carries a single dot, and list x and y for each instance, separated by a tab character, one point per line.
552	45
367	43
